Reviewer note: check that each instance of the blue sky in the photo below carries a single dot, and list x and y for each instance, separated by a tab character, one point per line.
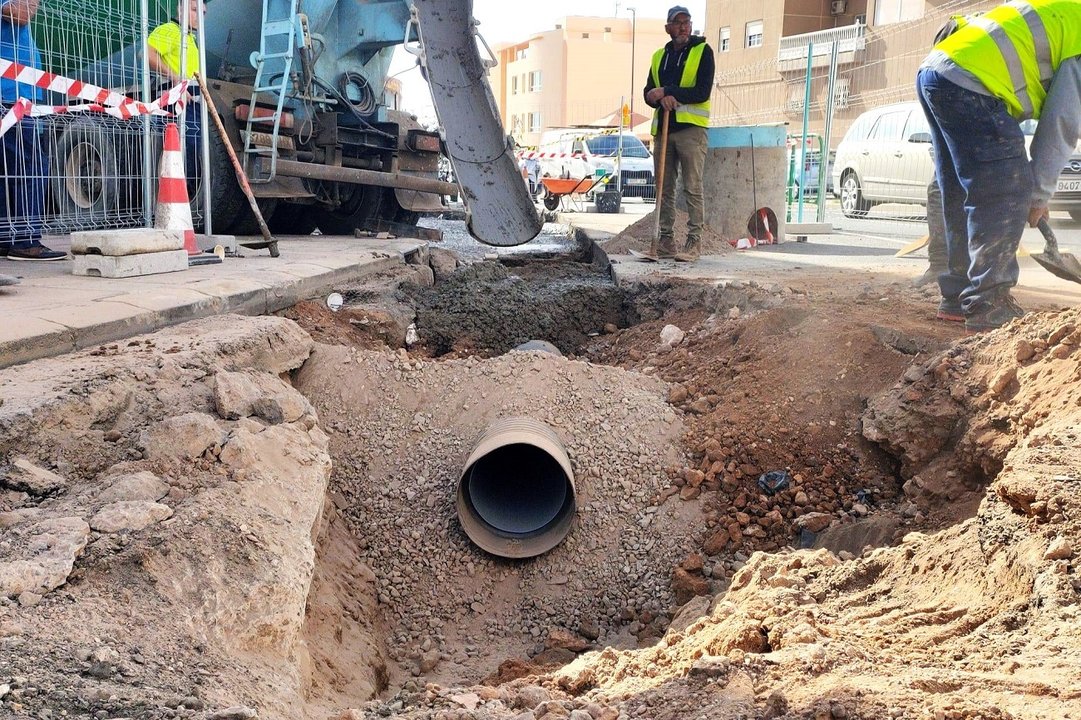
503	21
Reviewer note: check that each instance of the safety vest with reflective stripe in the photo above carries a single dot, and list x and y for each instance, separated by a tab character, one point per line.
695	113
1015	49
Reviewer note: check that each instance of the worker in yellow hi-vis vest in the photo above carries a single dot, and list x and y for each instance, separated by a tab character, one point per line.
681	81
1018	61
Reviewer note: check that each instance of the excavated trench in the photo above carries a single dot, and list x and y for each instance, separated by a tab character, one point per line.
668	507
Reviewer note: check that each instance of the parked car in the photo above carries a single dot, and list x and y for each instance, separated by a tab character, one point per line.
812	162
1067	195
885	157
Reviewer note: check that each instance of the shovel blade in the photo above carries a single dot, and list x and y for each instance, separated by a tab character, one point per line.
643	257
1063	265
913	246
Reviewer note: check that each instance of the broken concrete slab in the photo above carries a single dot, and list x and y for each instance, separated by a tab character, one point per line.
130	515
48	556
28	477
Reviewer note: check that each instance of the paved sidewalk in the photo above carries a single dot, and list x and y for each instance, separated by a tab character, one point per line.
52	312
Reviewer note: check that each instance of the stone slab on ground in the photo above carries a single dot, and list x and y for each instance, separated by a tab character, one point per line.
126	266
123	242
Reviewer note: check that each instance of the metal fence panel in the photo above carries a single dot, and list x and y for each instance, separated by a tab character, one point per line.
88	170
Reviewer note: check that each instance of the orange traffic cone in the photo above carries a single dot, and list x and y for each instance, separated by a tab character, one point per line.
173	212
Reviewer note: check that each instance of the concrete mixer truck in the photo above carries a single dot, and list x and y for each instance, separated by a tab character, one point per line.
299	86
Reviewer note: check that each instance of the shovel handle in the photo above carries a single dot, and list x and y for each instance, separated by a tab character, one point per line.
1049	238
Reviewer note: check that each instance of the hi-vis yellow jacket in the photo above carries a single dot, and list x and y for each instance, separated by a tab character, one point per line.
1015	49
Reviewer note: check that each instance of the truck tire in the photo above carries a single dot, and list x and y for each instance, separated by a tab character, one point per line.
231	212
84	173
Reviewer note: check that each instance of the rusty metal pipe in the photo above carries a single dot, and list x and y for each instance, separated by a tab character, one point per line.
516	496
292	168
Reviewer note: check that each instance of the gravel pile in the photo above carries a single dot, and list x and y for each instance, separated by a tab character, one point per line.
400	429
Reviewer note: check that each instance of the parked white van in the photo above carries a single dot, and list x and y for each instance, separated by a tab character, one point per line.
582	151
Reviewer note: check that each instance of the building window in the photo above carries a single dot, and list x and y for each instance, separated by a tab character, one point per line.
514	85
534	122
520	54
535	81
725	40
754	34
585	36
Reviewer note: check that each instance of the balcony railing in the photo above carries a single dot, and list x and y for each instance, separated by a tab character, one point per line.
850	39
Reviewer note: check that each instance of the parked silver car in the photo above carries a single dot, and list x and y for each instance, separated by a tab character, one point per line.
885	157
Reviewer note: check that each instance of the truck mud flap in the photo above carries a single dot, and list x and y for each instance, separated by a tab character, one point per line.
500	211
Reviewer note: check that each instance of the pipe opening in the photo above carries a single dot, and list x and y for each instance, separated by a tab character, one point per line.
517	489
516	496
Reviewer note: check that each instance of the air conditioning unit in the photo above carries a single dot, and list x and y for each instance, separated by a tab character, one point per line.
838	7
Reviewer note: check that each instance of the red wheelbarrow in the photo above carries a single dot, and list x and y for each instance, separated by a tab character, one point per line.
556	189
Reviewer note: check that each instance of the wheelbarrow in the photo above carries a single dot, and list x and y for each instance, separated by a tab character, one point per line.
555	189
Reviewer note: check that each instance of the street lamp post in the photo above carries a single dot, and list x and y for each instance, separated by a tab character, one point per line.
634	22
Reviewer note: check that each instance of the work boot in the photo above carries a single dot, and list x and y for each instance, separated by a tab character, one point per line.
994	315
666	248
930	275
950	309
690	251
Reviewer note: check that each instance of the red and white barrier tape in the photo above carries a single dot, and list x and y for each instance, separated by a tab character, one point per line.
548	155
100	99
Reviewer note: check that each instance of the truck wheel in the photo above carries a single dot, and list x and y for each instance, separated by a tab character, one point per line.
84	173
231	212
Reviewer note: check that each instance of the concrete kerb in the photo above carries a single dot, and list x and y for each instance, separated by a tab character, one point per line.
95	316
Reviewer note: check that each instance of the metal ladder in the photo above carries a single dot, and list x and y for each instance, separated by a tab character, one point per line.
277	45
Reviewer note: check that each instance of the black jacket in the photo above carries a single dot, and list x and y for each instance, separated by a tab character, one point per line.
671	72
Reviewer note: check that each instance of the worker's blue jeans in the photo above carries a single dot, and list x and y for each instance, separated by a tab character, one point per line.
986	182
25	172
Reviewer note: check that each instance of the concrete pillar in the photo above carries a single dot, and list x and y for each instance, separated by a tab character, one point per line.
745	172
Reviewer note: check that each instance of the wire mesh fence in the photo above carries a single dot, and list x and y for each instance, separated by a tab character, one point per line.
68	171
847	94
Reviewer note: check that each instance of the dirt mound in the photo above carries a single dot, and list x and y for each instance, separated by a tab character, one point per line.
639	236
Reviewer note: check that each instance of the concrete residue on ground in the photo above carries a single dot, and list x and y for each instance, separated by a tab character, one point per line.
227	519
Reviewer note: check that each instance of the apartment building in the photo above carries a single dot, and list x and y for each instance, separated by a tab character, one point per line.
763	50
577	73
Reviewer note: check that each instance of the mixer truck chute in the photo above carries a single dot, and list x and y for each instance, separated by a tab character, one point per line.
300	87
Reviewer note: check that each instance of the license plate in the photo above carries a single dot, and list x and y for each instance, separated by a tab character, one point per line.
636	181
1072	185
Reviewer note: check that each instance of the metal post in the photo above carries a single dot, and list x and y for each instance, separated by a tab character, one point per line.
148	162
803	136
634	23
619	151
204	123
824	160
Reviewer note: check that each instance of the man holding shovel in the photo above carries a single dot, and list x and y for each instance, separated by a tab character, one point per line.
1020	60
678	87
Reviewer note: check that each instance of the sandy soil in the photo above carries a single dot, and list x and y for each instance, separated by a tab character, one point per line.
229	520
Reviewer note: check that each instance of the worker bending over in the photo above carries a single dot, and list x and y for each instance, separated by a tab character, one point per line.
1020	60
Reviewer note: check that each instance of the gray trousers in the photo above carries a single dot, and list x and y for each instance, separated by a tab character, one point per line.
685	154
